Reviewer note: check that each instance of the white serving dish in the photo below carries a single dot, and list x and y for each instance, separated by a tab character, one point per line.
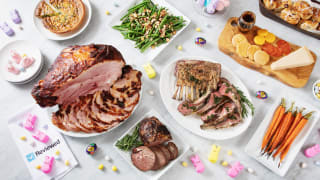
22	47
193	122
50	110
176	138
52	36
253	148
150	53
313	89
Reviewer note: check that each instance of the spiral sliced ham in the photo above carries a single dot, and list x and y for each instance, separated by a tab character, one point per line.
79	71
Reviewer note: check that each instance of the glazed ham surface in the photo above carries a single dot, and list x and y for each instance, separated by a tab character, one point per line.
78	71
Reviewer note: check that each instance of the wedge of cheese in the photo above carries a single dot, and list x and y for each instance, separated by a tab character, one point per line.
298	58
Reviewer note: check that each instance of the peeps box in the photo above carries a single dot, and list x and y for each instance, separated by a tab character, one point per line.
37	142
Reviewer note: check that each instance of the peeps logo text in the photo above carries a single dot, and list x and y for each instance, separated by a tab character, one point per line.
30	157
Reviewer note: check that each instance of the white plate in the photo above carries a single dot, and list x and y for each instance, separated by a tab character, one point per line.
193	122
83	134
22	47
254	146
50	35
150	53
176	138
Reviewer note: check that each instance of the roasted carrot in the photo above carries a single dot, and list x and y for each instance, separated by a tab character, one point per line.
295	122
281	134
284	154
274	137
294	134
274	123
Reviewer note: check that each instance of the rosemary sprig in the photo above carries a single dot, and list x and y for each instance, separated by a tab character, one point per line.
245	103
130	141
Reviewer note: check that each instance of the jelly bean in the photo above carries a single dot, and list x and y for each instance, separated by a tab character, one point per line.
303	165
198	29
107	12
229	152
224	163
101	166
184	164
57	152
107	158
180	48
66	162
114	168
23	138
38	167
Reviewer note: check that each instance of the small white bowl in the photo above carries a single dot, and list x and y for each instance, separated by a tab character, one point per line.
314	86
22	47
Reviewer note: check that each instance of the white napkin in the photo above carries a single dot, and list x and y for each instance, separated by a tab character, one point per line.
33	155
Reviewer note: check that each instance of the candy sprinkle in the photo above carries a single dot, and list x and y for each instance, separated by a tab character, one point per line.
114	168
23	138
198	29
67	163
184	164
38	167
107	12
180	48
101	166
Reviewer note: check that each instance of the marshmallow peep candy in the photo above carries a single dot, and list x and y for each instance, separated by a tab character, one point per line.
15	56
31	120
214	153
47	164
14	14
40	136
235	169
13	69
6	29
197	163
27	62
312	151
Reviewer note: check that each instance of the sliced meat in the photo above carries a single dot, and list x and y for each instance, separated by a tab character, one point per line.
226	110
166	152
186	108
153	132
78	71
61	120
215	99
173	149
161	158
227	89
215	112
143	158
232	120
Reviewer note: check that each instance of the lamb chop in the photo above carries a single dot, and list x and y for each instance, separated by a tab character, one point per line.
195	78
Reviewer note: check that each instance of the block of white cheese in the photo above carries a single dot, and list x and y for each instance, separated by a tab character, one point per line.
298	58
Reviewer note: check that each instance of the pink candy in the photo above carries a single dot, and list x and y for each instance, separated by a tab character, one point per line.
47	164
27	62
15	56
13	69
312	151
40	136
235	169
31	120
197	163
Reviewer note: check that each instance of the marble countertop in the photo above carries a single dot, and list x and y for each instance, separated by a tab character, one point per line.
14	97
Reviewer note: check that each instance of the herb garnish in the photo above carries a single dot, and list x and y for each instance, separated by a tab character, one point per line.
130	141
217	100
245	103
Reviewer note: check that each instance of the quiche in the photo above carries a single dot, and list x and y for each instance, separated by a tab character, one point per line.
68	16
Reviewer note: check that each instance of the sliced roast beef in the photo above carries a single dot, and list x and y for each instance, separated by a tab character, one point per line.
173	149
143	158
78	71
166	152
161	158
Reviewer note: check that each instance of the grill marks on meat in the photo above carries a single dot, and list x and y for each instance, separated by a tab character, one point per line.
79	71
194	78
104	109
152	132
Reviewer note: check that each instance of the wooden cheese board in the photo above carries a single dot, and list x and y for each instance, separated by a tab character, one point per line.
294	77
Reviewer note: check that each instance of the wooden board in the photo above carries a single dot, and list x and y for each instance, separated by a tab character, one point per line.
295	77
